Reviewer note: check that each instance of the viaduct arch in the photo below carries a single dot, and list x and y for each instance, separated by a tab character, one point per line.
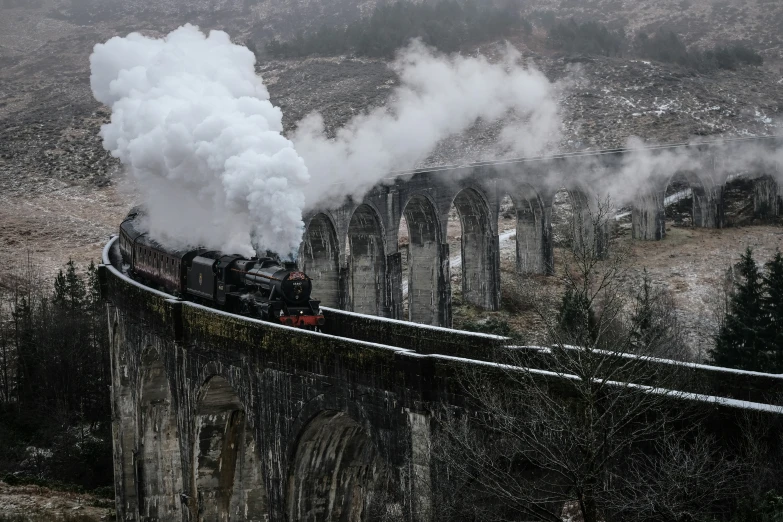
352	251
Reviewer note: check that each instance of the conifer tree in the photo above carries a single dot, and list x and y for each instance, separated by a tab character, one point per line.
772	306
642	328
24	331
75	286
740	342
60	296
58	344
575	319
93	287
654	328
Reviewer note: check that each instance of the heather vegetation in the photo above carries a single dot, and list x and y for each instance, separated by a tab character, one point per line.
54	381
446	25
589	38
662	46
666	46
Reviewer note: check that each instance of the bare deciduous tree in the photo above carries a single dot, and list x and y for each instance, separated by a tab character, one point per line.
584	425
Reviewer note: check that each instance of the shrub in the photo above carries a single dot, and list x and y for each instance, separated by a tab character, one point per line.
589	37
769	508
666	46
445	25
492	326
663	46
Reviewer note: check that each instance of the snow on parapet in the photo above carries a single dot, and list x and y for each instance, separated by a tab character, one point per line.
674	394
673	362
417	325
710	399
298	330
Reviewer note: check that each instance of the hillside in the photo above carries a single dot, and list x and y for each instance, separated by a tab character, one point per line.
61	195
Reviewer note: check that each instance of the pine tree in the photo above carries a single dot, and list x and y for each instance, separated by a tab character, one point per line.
740	342
575	319
93	287
24	340
772	306
99	346
653	325
60	296
76	292
642	328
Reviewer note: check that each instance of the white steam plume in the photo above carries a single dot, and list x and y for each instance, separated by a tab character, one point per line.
438	97
650	167
194	126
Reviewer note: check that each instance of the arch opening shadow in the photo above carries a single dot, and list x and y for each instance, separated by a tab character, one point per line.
422	260
337	474
687	202
508	230
320	260
749	196
477	250
160	467
366	263
228	480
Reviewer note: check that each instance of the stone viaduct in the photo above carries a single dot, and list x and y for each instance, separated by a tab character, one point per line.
352	251
219	417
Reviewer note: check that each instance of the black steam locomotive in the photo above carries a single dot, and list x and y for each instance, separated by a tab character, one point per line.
259	287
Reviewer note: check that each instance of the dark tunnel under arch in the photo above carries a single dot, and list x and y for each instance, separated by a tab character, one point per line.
480	286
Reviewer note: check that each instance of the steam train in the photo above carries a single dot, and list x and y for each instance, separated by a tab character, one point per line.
258	287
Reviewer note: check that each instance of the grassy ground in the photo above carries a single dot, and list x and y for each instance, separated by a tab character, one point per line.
31	503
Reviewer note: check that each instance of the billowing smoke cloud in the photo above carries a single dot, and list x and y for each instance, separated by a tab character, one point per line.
194	126
438	96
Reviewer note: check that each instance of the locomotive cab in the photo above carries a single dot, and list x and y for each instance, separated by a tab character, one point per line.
201	276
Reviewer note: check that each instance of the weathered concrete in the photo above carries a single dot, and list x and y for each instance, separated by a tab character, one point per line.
352	251
218	417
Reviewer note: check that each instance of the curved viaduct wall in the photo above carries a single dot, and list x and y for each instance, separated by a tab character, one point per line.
352	251
218	417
